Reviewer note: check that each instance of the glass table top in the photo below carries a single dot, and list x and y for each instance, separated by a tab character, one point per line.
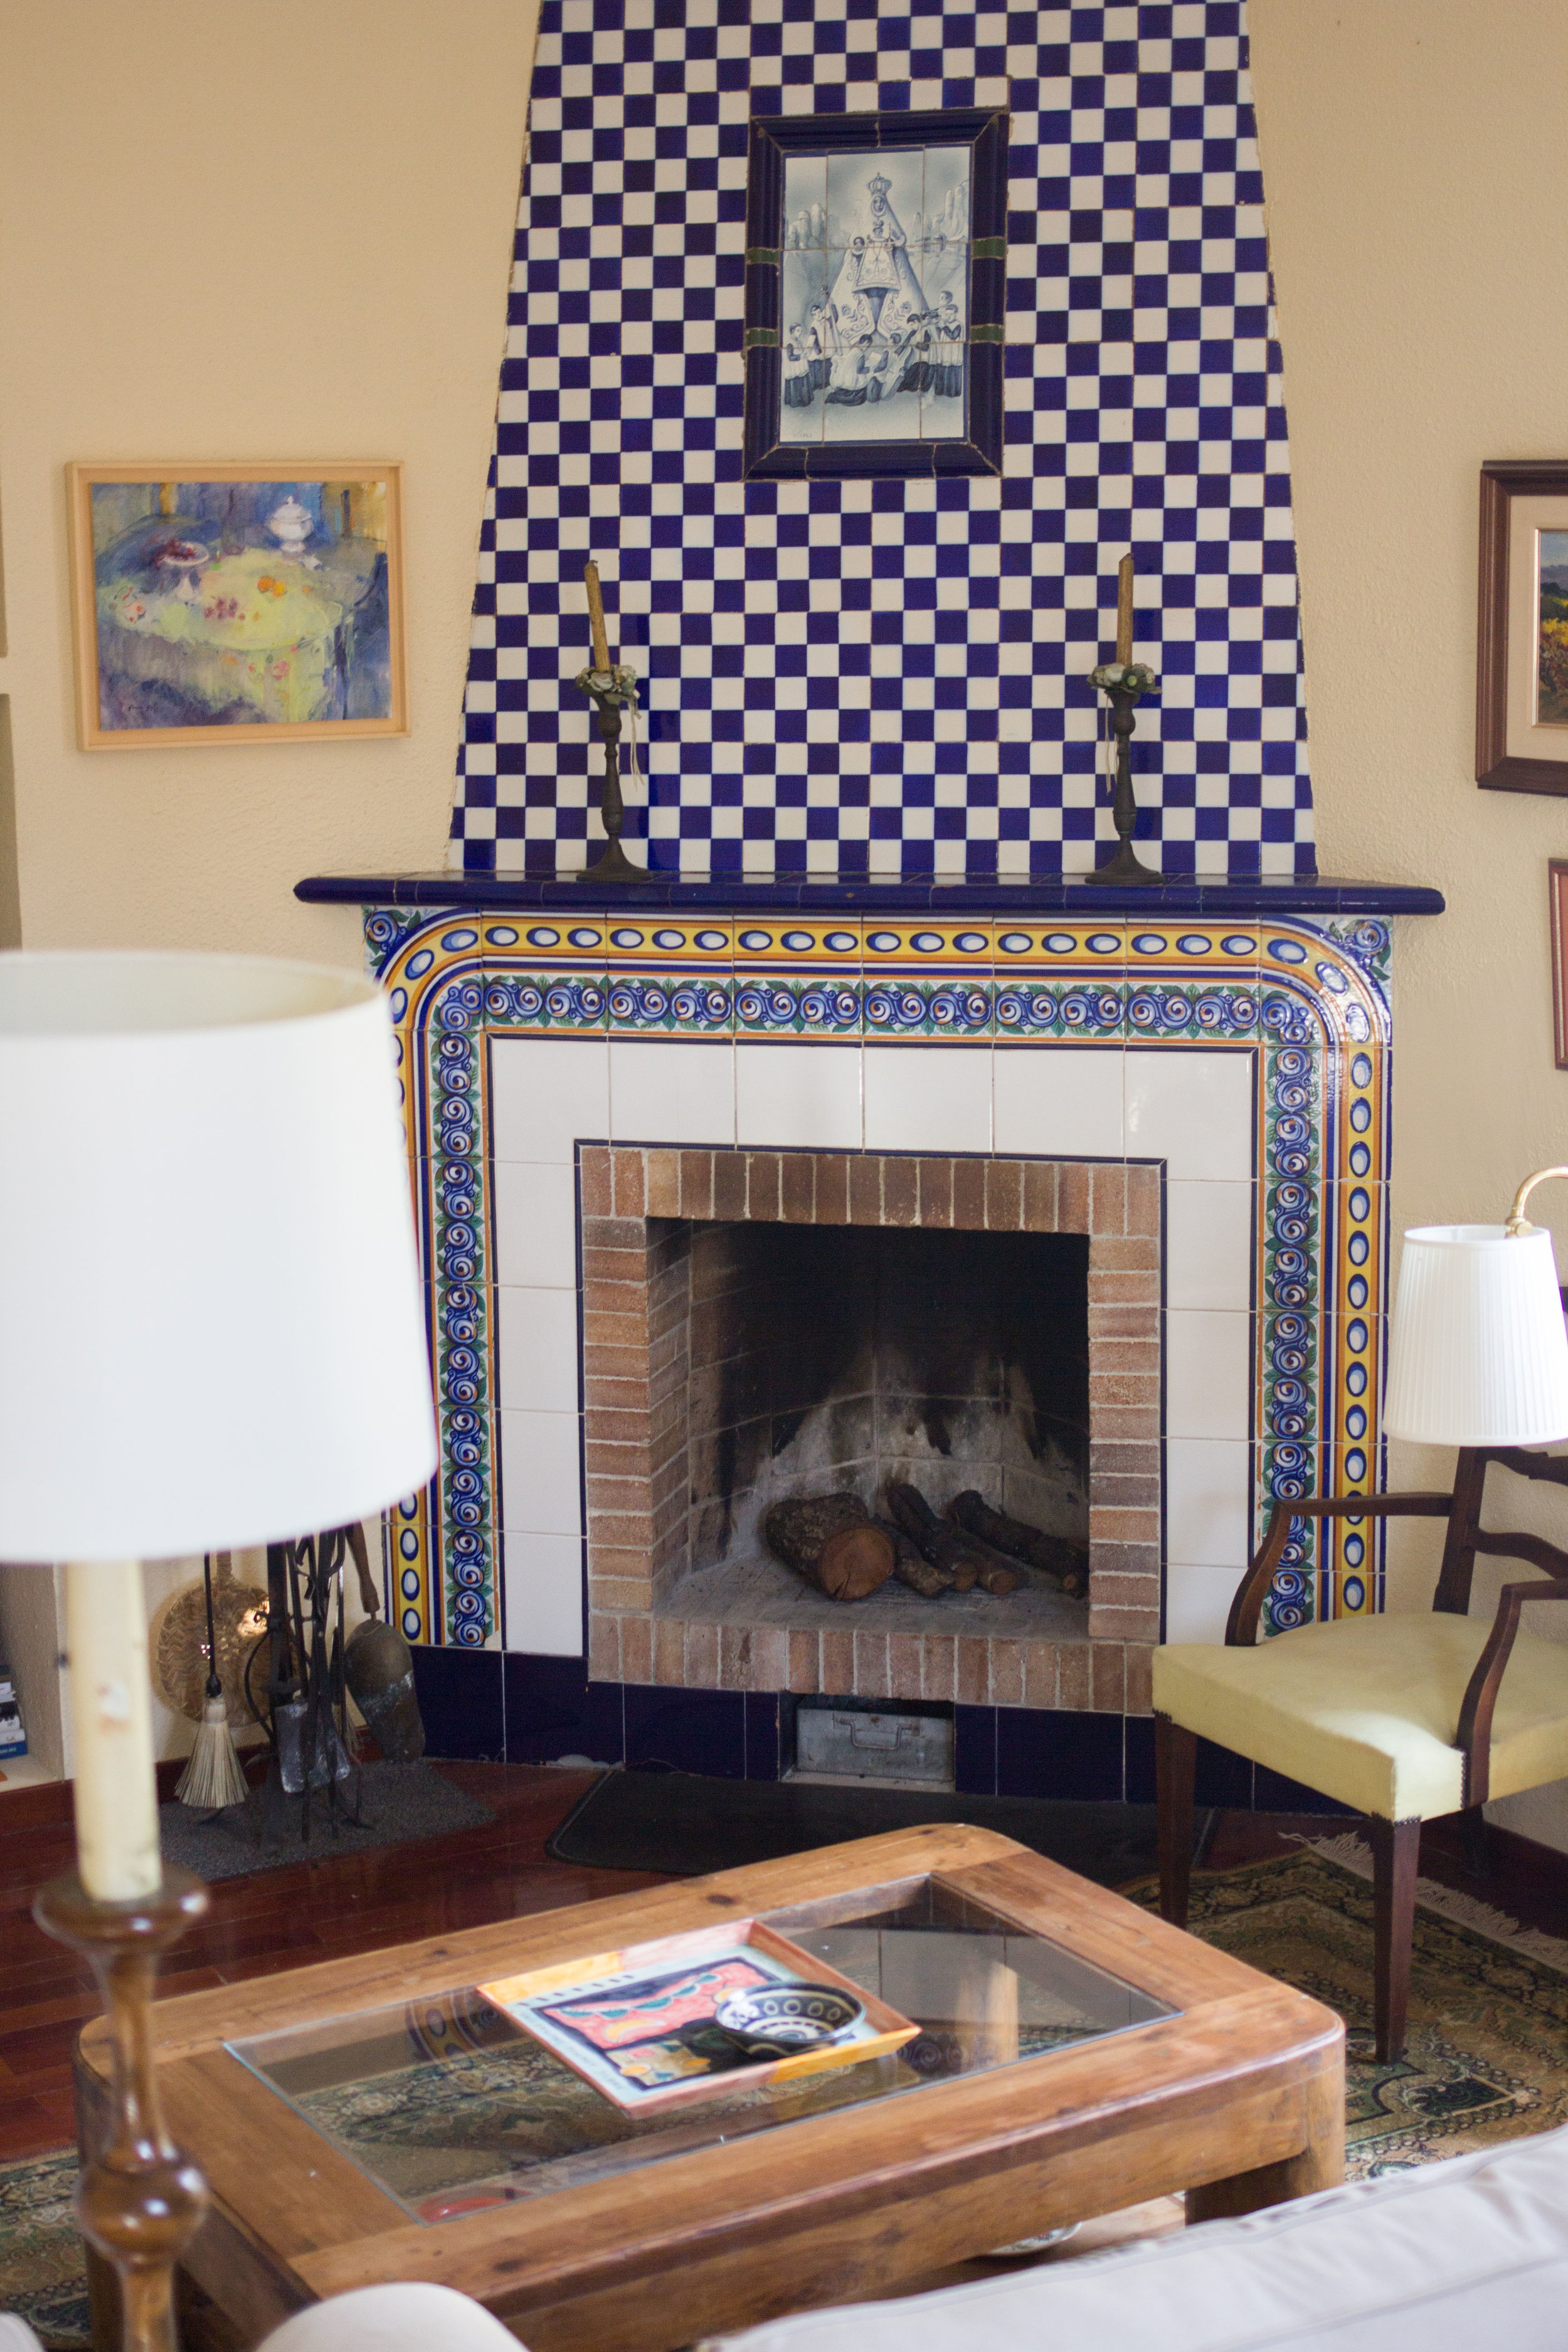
449	2106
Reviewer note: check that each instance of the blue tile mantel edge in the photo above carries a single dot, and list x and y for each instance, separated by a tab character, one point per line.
1197	896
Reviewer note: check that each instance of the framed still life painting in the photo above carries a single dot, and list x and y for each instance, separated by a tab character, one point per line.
876	268
1521	661
224	604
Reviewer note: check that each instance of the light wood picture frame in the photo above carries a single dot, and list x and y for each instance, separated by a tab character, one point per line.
237	602
1521	634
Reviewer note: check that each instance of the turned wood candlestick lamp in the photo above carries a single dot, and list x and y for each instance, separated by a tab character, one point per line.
1122	682
613	688
210	1337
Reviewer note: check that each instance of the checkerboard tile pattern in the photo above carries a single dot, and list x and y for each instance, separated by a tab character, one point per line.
885	676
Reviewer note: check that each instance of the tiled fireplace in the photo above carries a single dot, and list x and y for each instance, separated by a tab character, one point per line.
954	1322
1180	1108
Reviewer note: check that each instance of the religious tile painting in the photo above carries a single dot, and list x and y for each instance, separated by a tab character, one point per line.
875	255
876	288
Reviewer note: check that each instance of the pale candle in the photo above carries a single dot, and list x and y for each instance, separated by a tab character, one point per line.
596	617
112	1715
1124	611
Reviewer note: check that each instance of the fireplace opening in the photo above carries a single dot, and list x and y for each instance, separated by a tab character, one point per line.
830	1360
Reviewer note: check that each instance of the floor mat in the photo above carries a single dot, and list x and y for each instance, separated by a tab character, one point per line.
684	1824
398	1803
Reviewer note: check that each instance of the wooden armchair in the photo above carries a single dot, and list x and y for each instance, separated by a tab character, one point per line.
1404	1717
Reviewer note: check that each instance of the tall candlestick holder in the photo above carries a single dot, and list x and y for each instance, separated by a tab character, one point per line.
1122	684
611	689
140	2202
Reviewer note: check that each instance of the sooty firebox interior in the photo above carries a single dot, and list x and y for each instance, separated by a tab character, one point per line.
826	1358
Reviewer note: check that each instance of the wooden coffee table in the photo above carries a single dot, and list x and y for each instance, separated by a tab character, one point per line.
1076	2055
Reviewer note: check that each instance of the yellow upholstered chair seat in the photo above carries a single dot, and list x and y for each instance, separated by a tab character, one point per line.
1366	1708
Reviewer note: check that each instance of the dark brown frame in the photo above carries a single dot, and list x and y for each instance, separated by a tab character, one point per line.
1503	479
1557	908
984	130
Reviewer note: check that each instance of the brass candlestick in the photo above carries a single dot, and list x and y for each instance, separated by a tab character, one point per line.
140	2202
610	688
1121	682
1122	685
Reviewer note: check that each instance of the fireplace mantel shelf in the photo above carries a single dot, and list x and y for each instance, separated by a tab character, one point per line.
1200	896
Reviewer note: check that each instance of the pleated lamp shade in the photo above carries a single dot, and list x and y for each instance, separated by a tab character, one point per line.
1477	1352
210	1313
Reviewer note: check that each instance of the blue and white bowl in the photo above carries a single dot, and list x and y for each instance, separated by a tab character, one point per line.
774	2020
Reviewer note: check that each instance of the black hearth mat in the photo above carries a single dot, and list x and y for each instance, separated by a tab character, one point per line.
684	1824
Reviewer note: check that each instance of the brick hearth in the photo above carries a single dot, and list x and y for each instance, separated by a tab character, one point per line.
640	1312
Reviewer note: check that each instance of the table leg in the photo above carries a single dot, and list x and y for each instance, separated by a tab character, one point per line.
1321	2164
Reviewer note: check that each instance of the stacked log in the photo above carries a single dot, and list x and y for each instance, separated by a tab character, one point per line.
1061	1562
832	1541
948	1547
847	1552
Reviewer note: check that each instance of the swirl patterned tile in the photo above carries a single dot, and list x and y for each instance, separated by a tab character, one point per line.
901	1006
827	1003
696	1000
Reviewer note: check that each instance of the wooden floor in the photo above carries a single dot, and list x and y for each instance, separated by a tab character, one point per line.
320	1910
281	1919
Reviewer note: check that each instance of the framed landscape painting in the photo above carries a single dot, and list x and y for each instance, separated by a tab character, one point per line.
223	603
876	264
1522	664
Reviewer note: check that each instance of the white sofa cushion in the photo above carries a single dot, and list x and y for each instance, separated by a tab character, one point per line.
1441	2258
406	2316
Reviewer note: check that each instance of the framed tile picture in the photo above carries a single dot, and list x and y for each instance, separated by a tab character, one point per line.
876	269
232	603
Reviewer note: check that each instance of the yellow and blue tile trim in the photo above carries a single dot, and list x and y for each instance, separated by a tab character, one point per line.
1309	997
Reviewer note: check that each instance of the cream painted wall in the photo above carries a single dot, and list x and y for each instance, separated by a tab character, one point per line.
1414	164
232	233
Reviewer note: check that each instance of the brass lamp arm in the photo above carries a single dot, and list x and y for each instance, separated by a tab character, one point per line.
1518	1225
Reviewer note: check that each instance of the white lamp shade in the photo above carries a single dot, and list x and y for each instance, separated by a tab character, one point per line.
210	1324
1478	1352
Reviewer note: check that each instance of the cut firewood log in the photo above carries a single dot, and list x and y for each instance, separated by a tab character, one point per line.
912	1568
948	1547
1064	1563
833	1542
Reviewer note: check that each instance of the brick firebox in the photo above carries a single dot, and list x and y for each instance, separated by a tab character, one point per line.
639	1208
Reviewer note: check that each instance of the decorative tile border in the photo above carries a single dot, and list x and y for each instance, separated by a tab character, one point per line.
1309	998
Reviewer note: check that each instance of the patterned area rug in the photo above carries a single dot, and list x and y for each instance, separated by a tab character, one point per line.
41	2274
1487	2057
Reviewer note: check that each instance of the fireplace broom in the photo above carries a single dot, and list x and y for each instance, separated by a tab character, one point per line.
213	1778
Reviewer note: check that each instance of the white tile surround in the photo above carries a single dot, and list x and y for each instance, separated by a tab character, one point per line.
1192	1109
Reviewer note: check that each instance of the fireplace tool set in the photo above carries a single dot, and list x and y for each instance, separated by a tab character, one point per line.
312	1671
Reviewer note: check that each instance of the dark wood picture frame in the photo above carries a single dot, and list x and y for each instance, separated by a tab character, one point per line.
1503	479
1557	904
774	138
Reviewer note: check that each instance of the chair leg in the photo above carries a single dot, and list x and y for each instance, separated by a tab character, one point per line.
1473	1829
1175	1766
1395	1853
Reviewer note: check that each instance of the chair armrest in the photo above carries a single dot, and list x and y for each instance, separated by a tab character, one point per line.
1246	1610
1474	1735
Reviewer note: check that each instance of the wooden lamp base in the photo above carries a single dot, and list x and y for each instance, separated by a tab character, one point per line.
142	2202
